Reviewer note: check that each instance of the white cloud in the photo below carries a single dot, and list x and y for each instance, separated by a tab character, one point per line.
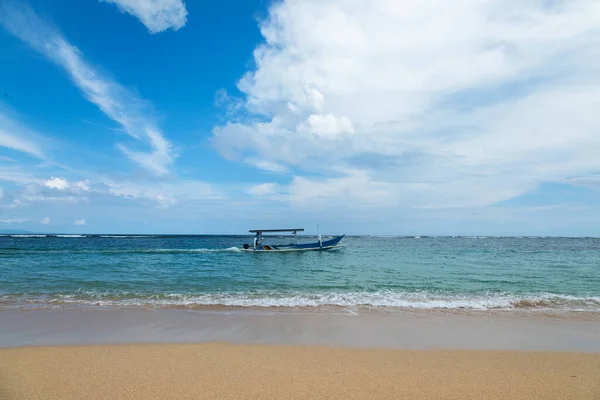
328	126
45	221
80	222
356	187
15	136
30	189
28	199
19	177
118	103
63	184
156	161
263	189
56	183
267	165
82	185
157	15
13	221
164	194
97	190
413	107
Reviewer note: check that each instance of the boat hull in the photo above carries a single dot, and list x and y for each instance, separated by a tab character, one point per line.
323	246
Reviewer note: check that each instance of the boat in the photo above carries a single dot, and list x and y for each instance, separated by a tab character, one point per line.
258	244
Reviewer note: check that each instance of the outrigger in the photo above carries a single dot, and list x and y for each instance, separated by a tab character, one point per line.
258	244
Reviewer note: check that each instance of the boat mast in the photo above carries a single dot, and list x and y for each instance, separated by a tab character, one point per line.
319	237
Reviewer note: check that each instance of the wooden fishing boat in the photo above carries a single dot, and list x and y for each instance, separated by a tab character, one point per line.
320	245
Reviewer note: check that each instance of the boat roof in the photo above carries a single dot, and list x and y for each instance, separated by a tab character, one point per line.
275	230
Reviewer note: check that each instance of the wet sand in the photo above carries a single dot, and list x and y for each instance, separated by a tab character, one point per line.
401	330
227	371
165	353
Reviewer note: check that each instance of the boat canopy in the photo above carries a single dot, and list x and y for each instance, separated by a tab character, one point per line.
274	230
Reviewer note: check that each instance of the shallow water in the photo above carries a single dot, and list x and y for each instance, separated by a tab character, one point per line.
393	273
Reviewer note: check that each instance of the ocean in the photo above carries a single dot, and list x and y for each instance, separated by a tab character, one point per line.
521	274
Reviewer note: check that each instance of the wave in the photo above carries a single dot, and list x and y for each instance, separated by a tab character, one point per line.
40	235
27	236
232	249
125	236
70	236
264	299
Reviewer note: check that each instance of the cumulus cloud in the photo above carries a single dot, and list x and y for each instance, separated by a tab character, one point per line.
157	15
30	189
328	126
80	222
45	221
56	183
63	184
56	189
121	105
397	103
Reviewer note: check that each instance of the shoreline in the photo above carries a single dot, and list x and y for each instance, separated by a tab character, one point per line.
408	330
233	371
544	305
517	312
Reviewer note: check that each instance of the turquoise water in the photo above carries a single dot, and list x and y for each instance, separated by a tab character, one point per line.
369	272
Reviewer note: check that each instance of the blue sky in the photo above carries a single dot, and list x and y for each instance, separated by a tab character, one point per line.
366	117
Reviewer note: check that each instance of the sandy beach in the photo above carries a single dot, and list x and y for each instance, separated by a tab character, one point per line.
227	371
219	354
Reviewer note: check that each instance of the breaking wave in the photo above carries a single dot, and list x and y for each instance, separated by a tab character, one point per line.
26	236
124	236
70	236
262	299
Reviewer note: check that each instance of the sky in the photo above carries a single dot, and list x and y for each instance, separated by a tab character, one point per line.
413	117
